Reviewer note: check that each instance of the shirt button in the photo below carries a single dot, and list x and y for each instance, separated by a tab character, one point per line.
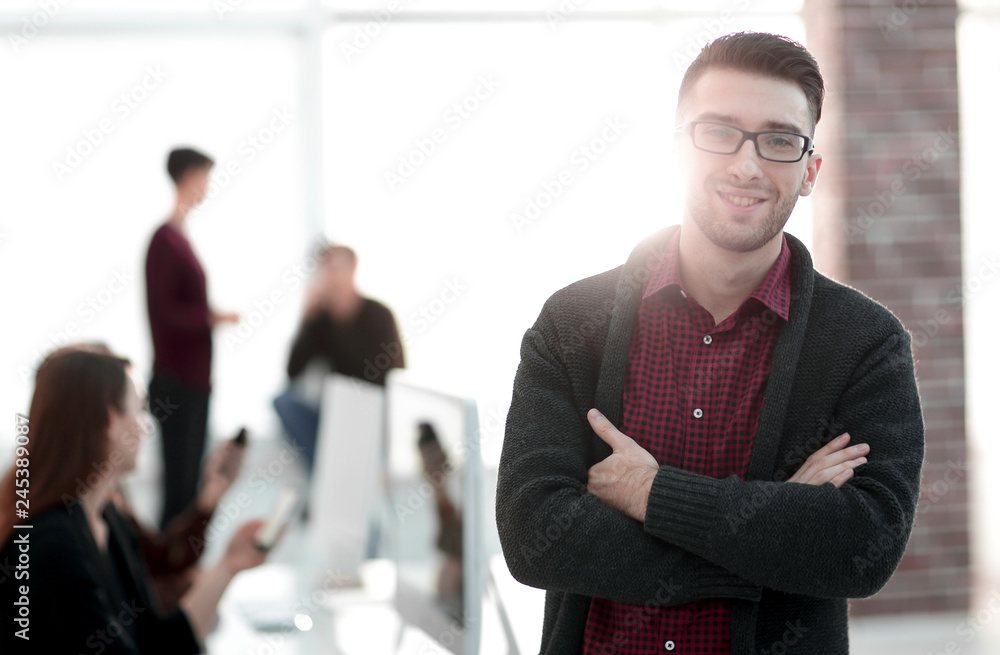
707	339
669	645
698	413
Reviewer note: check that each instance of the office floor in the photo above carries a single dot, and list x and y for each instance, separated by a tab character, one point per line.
364	619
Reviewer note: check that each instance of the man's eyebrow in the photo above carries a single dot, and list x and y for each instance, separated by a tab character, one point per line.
712	116
768	125
784	127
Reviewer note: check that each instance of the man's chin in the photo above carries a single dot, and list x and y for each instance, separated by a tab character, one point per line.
737	246
738	238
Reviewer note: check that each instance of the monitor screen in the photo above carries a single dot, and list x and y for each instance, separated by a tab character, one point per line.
432	519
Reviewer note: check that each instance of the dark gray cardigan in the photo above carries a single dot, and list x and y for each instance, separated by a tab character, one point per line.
788	555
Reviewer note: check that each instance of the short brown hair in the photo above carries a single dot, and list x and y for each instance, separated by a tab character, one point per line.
765	54
182	160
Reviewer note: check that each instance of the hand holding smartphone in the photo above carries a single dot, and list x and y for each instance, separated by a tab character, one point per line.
281	514
233	459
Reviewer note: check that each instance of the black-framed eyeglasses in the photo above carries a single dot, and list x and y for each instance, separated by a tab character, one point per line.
726	139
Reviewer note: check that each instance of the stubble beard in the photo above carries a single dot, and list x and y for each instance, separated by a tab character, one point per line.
734	237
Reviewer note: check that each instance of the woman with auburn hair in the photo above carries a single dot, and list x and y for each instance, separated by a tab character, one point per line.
85	584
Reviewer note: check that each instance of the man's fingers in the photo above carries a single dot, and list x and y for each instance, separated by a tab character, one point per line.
840	473
833	453
842	477
843	455
605	429
837	467
848	472
835	444
834	472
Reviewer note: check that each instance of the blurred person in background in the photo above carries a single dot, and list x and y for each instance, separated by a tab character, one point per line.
172	555
341	332
86	582
181	323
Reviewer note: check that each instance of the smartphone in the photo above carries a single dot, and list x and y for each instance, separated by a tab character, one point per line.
281	514
241	438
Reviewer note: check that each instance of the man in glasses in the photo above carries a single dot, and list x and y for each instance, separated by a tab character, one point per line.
710	448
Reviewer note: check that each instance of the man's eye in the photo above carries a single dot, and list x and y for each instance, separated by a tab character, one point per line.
719	133
780	141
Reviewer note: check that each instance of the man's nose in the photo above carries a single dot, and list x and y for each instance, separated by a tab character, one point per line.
746	162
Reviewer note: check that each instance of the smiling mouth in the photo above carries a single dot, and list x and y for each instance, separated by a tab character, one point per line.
743	201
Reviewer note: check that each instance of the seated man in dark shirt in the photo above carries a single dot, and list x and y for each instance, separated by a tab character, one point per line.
343	332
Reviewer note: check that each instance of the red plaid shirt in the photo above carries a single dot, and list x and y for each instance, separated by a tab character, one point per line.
693	391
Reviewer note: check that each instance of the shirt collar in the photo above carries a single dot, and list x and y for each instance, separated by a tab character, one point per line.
774	291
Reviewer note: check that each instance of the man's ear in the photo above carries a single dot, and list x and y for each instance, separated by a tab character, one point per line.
813	165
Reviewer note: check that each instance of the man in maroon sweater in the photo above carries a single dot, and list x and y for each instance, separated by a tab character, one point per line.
181	323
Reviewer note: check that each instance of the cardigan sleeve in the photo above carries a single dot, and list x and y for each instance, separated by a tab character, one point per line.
557	536
815	540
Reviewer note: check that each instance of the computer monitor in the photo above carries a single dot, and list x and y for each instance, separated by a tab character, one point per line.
345	477
433	518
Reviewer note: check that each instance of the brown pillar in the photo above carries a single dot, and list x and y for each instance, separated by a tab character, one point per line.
888	223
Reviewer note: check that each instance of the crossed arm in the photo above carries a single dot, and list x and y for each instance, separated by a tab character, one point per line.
568	525
624	479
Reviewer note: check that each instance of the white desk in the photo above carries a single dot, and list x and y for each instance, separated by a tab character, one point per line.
329	619
352	621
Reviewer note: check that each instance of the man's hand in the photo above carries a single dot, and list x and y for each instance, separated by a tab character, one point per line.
624	479
834	462
315	299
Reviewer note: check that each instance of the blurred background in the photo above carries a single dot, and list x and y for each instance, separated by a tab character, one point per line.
480	155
